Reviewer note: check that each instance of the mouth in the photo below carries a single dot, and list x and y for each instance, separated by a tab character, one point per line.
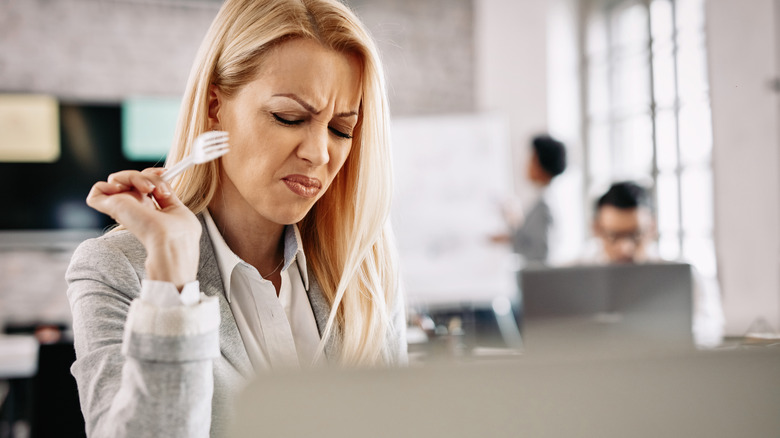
302	185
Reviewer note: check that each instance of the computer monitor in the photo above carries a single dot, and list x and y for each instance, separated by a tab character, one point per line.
609	309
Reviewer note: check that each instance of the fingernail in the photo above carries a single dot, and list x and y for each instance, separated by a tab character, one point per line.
165	189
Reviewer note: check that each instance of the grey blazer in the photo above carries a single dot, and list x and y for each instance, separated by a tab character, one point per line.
135	384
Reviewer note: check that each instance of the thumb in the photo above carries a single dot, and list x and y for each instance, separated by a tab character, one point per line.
165	197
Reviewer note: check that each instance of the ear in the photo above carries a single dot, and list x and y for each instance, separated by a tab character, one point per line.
215	101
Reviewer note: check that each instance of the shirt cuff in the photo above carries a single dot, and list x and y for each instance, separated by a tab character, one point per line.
162	311
147	318
165	294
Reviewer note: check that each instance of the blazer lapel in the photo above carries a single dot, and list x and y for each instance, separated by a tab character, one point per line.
230	342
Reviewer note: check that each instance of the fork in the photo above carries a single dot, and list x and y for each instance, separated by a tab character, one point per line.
208	146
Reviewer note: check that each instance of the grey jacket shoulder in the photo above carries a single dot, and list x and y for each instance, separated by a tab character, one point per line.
114	258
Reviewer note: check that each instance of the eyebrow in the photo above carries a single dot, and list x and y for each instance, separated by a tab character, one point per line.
310	108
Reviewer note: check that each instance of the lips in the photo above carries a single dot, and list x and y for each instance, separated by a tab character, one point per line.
302	185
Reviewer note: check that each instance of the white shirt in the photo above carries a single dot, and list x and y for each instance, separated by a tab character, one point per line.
278	331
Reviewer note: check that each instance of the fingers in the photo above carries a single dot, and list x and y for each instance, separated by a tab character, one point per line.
108	188
124	186
142	182
121	187
162	192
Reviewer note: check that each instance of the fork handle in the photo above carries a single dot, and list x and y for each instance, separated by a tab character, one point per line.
177	168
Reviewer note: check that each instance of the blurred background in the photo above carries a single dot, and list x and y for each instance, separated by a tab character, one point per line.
680	95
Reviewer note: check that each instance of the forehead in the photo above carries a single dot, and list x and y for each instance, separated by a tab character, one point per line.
613	218
304	67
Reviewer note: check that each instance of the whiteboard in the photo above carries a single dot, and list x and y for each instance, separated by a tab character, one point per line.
451	174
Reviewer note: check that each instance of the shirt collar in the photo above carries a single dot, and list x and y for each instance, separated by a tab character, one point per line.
293	251
227	260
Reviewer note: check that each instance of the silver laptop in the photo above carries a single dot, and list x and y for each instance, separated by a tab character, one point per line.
607	309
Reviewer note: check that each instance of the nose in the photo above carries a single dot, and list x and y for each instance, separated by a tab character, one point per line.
627	249
314	146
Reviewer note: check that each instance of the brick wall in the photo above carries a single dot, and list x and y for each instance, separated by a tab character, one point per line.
106	50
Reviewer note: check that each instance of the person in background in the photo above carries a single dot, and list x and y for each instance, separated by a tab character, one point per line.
277	255
624	225
529	232
625	230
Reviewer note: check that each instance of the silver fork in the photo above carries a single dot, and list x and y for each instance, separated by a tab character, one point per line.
208	146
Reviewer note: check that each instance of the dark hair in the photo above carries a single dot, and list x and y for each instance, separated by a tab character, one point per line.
551	154
625	195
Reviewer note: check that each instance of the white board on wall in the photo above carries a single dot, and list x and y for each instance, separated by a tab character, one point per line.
451	175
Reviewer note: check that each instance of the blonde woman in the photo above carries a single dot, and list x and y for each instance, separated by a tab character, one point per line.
276	255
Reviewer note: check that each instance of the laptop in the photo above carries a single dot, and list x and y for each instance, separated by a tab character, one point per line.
609	309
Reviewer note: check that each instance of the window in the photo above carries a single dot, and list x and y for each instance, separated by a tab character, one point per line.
647	115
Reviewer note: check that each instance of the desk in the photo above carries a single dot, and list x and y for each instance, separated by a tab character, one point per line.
713	394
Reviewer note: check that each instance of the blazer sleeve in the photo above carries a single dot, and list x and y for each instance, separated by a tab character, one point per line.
141	371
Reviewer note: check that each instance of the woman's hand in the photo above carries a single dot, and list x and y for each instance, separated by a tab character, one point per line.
170	233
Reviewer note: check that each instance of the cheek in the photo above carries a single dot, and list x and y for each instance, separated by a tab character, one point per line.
339	156
243	166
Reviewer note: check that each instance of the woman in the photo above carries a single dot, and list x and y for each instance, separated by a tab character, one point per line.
173	313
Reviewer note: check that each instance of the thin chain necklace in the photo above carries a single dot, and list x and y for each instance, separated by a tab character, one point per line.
275	269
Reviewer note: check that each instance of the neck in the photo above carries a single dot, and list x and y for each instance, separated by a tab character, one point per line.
250	236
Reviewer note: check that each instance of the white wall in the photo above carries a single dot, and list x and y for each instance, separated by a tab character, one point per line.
527	70
743	60
510	38
564	120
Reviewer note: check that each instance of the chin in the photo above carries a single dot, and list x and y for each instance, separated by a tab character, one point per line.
291	216
623	261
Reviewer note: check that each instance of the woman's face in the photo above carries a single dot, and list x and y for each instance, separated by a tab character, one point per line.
290	131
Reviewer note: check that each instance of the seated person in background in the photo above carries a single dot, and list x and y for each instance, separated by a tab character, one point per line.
624	225
626	233
530	232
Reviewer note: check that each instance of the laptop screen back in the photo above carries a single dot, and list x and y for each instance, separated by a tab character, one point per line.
602	308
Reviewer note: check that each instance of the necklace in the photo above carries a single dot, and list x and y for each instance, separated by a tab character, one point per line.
275	269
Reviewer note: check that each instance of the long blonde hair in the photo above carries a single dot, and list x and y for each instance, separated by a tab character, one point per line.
346	235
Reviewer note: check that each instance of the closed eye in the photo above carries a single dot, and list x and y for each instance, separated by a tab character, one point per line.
338	133
284	121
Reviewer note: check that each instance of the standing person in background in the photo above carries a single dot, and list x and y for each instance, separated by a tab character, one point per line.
529	232
626	233
276	255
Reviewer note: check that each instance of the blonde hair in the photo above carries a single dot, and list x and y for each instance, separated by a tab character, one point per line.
346	236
